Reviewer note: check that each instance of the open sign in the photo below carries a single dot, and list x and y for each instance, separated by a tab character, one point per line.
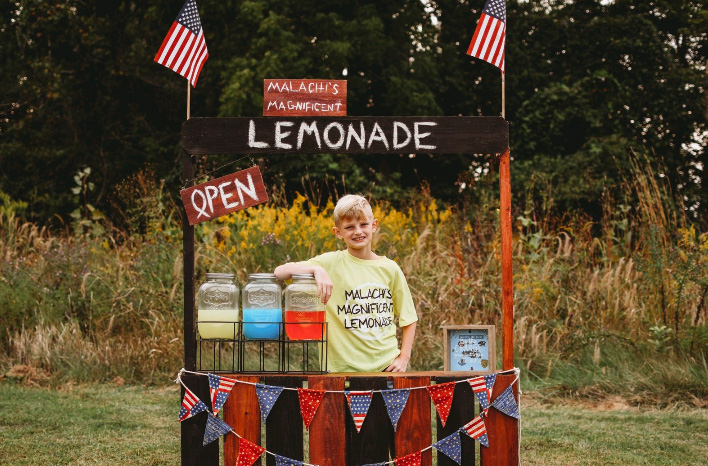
224	195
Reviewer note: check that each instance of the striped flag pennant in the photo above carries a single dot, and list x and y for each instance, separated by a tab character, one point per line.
482	388
507	404
395	400
442	394
184	49
248	452
215	428
489	38
220	388
309	402
359	403
409	460
267	396
451	447
476	429
191	405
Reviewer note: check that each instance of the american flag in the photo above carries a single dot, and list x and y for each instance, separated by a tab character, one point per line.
476	429
220	388
490	36
482	387
191	405
359	403
184	49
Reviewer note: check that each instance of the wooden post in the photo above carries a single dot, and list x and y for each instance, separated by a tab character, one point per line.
190	343
507	273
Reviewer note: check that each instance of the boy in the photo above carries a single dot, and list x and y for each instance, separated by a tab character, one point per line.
363	296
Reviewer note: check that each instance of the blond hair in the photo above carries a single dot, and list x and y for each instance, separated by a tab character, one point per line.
352	206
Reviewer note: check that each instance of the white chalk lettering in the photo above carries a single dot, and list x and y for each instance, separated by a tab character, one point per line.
251	190
252	137
373	137
201	210
418	135
210	197
309	129
360	137
328	141
225	196
280	135
396	144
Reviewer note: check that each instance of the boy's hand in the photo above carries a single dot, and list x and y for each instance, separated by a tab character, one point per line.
400	364
324	284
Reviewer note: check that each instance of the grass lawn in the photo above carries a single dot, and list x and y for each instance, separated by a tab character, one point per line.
104	424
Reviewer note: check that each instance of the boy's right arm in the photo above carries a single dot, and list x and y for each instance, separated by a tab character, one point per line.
324	283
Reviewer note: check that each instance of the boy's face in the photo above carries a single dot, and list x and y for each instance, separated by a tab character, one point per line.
357	233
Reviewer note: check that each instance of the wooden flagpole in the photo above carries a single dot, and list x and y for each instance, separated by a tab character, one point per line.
506	251
189	97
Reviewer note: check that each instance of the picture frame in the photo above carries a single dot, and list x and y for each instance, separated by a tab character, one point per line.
470	348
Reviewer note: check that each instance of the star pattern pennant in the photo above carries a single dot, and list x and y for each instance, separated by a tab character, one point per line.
477	430
215	428
441	394
507	404
359	403
267	396
451	447
191	405
395	400
283	461
248	452
220	389
309	402
409	460
482	388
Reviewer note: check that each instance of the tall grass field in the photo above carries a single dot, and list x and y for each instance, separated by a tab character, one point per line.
614	306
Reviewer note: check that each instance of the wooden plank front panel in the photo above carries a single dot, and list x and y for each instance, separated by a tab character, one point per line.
192	429
413	432
461	412
502	430
242	413
374	442
284	429
346	135
328	439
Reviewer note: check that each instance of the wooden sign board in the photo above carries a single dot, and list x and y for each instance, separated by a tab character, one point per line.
470	348
224	195
304	97
353	135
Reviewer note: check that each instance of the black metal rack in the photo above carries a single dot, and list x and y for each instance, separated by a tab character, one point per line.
262	356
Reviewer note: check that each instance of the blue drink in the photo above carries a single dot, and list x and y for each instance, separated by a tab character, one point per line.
262	324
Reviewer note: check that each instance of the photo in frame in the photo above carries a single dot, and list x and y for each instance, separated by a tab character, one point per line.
469	348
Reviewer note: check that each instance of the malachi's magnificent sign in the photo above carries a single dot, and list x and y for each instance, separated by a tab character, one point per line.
304	97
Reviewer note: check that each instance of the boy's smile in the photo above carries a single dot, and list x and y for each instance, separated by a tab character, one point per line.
357	234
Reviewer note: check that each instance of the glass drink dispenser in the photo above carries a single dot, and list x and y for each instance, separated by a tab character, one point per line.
262	307
217	301
304	312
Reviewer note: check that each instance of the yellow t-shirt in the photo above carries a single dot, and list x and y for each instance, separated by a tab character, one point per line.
367	297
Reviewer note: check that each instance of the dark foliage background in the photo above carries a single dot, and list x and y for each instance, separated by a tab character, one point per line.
588	82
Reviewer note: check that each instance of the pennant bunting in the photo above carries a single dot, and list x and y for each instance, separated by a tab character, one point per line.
409	460
451	447
248	452
267	396
309	402
283	461
507	404
482	388
191	405
395	401
359	403
441	394
215	428
220	389
477	430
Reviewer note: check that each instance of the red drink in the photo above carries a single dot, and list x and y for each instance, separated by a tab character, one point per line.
304	325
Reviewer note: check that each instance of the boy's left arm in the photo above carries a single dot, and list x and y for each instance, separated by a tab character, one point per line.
400	364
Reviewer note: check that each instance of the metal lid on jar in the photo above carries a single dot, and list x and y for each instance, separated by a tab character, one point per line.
261	276
219	276
303	276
